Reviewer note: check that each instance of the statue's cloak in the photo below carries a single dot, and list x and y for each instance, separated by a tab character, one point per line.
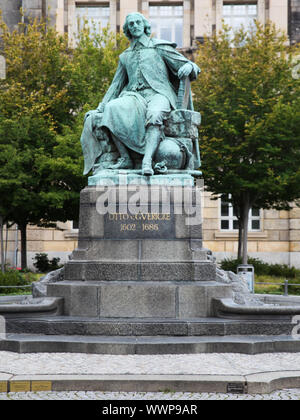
157	63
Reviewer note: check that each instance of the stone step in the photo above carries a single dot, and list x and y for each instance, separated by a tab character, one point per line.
146	327
27	343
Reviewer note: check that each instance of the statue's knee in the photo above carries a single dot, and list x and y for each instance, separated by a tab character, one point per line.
155	118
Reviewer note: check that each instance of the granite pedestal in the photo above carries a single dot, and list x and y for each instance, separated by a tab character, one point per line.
141	259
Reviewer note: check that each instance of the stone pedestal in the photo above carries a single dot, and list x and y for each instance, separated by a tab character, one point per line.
141	259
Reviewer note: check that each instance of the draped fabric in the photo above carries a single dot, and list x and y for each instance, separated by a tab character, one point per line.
143	91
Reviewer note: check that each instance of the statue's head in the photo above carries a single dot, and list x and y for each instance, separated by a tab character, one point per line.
135	25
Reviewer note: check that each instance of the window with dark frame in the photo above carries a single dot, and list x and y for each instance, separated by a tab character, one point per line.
229	221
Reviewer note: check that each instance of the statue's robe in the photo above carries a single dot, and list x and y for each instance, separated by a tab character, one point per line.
154	64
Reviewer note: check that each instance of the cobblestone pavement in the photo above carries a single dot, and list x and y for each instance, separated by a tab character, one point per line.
291	394
188	364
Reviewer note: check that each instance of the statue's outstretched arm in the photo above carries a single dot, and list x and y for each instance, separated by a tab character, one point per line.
120	80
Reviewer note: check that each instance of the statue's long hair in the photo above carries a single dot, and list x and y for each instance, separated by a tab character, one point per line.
146	23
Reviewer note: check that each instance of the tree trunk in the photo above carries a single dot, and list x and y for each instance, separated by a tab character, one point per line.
2	245
23	229
6	244
246	210
240	248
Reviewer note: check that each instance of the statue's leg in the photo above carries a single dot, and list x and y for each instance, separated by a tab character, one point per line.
124	162
158	110
153	136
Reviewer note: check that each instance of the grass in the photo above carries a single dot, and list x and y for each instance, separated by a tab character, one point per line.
29	278
275	286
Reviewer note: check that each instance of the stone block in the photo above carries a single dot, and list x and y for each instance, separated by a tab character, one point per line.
208	235
295	224
273	247
192	302
252	246
284	214
231	246
59	235
284	236
182	230
63	290
271	214
215	246
295	235
295	213
211	224
39	235
137	300
211	213
277	224
274	235
295	246
165	271
166	250
59	246
84	301
209	203
91	223
74	271
204	271
111	272
108	250
37	246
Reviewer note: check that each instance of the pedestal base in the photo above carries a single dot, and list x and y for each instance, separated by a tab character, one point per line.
169	300
140	261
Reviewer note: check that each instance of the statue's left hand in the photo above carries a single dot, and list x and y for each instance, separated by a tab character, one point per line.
185	70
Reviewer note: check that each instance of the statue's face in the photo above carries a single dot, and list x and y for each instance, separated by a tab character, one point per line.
136	26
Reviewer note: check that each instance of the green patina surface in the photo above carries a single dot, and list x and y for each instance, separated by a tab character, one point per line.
146	121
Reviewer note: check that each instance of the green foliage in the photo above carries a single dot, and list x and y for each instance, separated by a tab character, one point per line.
48	88
44	265
14	278
250	103
262	268
293	290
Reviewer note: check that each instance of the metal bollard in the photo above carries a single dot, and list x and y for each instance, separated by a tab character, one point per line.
286	287
247	272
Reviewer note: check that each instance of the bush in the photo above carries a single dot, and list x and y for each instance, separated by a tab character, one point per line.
263	269
44	265
14	278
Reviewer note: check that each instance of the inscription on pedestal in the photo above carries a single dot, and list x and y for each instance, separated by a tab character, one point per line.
139	226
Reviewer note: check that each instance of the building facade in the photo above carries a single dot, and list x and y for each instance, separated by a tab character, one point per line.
274	236
179	21
294	21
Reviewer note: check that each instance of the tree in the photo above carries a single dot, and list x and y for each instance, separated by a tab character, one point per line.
42	101
250	138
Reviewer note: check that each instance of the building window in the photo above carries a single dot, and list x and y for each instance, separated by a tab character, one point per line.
75	224
167	23
229	221
96	16
238	15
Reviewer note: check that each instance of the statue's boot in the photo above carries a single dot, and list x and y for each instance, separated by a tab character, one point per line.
152	140
124	162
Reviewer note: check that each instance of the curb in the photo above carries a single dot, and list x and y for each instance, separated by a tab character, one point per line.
258	383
